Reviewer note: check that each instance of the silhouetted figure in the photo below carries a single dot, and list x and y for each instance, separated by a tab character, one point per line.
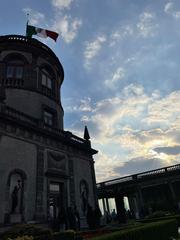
97	217
14	197
129	214
114	215
90	217
132	214
121	212
71	219
108	217
77	217
62	219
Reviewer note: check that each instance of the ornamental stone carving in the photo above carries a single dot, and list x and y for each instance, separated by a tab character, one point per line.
56	161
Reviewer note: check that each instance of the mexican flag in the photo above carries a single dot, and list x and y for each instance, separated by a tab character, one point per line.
31	30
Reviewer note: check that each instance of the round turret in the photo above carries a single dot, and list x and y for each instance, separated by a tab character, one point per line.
32	76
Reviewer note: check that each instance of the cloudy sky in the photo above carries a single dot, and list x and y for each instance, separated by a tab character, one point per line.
122	75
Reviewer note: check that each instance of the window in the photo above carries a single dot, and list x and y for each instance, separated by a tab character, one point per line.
48	118
46	80
19	72
10	71
14	71
54	187
14	74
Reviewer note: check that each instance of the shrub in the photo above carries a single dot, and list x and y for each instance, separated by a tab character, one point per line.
158	214
167	217
177	216
158	230
33	232
78	236
21	230
22	238
66	235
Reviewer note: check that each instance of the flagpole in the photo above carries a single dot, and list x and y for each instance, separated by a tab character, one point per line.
27	23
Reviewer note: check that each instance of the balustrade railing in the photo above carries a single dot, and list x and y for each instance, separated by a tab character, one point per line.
14	114
135	177
119	180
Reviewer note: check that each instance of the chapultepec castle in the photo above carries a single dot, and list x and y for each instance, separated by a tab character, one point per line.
43	168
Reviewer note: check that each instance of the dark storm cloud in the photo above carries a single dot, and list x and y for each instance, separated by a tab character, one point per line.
138	165
168	150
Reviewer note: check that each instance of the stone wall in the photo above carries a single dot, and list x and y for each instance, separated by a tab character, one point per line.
82	172
42	159
17	155
33	104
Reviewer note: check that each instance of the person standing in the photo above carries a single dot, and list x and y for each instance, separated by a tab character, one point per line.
97	216
62	220
76	213
90	217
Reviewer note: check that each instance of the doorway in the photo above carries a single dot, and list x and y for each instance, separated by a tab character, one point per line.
56	202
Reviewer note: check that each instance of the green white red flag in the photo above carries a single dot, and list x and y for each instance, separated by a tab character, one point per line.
44	33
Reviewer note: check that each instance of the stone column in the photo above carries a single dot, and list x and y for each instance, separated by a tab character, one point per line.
140	202
173	195
107	204
121	212
104	206
71	183
94	182
39	214
132	205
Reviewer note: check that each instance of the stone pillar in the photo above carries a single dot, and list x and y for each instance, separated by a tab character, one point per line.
173	195
71	183
132	205
121	212
94	183
137	206
140	202
39	214
107	204
104	206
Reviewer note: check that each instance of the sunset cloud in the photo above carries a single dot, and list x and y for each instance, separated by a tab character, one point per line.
138	125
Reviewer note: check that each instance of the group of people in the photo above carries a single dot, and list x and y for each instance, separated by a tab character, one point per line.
93	217
70	219
67	219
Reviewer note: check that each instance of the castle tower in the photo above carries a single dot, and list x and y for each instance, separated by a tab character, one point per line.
42	167
32	76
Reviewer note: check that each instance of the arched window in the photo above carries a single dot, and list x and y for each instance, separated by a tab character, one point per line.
14	70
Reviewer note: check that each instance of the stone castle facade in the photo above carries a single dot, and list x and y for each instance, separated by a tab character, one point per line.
42	167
